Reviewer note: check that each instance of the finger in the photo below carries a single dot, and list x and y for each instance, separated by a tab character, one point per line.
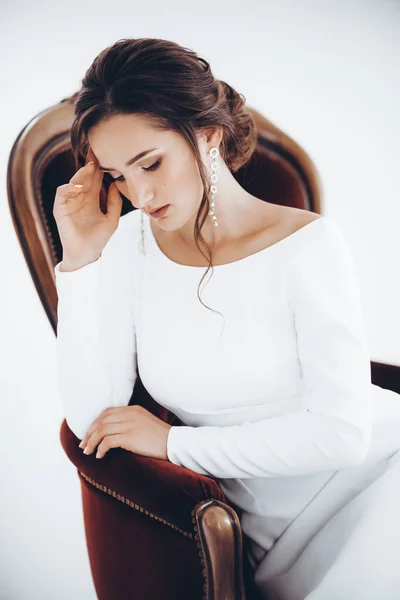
98	178
85	175
111	441
69	188
90	156
110	415
87	435
90	175
102	432
95	426
65	193
114	202
98	438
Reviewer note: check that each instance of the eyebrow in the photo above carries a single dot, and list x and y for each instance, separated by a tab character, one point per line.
131	160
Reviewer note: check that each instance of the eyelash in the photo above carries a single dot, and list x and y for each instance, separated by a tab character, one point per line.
153	167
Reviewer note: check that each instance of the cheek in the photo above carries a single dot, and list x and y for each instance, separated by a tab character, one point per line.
184	179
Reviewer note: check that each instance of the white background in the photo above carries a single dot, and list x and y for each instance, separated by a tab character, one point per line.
325	72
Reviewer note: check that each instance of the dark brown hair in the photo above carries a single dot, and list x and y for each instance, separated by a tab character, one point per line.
176	90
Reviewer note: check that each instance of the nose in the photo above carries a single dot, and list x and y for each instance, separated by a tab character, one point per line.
140	195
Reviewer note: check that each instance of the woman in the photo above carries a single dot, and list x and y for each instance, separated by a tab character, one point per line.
278	404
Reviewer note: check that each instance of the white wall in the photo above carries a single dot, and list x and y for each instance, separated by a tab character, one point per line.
326	72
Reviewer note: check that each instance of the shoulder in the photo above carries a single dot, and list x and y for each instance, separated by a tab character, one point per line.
308	240
288	219
322	249
279	225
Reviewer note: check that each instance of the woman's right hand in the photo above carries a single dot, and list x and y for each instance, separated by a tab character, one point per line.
83	228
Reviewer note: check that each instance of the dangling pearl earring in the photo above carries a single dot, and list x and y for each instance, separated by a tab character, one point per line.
214	152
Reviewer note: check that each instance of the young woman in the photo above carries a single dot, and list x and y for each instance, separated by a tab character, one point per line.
278	403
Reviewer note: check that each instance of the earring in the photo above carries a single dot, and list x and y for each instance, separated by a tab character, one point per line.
214	152
141	243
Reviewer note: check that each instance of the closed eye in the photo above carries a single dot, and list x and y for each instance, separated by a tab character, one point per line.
153	167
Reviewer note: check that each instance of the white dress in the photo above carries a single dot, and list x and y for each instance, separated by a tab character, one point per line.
277	400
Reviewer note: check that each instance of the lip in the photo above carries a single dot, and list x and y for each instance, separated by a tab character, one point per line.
160	212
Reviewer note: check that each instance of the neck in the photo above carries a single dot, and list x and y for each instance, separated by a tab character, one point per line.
233	209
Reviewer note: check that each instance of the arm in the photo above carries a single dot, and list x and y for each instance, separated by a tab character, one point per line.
96	341
333	428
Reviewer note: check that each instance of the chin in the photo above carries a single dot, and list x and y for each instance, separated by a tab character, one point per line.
174	220
167	224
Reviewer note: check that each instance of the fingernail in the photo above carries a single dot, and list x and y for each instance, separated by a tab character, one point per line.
81	444
90	164
78	185
86	451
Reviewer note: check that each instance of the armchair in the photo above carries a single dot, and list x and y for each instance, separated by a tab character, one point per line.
154	530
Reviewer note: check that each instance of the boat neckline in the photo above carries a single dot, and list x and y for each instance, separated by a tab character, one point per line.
280	243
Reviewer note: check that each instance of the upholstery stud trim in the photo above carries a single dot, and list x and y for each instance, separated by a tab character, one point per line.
139	508
133	505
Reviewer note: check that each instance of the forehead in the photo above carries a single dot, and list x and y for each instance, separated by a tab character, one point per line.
119	137
120	127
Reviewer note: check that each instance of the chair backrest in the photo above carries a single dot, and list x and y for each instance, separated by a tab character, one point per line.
41	159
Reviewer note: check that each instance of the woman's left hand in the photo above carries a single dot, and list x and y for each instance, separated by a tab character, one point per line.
131	427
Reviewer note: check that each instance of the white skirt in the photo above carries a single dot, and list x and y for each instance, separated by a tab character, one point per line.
345	545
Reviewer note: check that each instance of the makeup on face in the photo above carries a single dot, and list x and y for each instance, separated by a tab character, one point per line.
160	213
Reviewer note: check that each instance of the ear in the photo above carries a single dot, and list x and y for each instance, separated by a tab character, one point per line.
212	136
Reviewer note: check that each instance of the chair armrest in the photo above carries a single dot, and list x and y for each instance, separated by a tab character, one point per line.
219	538
158	487
189	502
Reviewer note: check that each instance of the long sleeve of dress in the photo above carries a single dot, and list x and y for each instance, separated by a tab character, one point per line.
96	342
332	430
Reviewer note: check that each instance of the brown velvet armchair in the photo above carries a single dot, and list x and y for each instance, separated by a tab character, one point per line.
154	530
